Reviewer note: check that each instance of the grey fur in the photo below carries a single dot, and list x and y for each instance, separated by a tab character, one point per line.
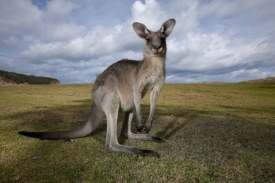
122	86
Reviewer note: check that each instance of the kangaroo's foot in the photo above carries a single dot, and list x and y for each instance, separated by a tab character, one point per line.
146	137
135	150
145	152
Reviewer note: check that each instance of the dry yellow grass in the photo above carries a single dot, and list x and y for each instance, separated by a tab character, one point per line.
213	133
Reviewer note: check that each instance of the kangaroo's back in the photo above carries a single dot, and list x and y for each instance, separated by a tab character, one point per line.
124	71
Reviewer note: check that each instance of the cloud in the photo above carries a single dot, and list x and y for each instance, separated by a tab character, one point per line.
19	18
97	43
58	23
214	55
20	23
57	11
224	8
76	40
149	13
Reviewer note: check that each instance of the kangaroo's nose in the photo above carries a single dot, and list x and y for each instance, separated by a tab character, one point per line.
156	47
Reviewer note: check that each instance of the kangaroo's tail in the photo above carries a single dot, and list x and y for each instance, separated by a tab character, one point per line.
95	117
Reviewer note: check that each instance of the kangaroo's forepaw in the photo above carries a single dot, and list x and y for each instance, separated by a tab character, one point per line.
140	128
146	129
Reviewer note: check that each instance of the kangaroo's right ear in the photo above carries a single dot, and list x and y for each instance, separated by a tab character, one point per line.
167	27
141	30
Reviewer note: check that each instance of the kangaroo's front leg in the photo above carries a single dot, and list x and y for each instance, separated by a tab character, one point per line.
153	101
127	133
137	99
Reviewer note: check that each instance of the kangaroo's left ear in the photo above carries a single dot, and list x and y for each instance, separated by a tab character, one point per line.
141	30
167	27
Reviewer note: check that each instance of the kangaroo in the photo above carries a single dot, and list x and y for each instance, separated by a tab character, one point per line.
121	87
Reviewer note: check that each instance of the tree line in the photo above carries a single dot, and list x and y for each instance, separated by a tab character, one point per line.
16	78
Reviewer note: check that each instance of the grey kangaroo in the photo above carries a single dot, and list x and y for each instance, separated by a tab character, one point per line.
121	87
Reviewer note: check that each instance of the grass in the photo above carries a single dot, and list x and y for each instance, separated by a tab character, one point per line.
213	133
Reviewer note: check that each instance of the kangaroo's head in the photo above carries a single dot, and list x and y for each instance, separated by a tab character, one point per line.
155	44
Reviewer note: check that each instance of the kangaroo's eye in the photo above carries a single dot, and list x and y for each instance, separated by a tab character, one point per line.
163	38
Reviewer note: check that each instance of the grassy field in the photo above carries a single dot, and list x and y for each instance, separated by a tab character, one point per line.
213	133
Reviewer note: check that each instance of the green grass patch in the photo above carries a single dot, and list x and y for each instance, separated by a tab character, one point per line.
213	133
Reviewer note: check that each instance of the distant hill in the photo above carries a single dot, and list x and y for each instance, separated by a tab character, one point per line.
268	80
16	78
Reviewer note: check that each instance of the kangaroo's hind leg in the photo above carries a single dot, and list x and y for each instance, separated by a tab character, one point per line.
112	142
110	103
111	136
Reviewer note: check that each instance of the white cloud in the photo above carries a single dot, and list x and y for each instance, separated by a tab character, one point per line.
63	32
58	23
75	40
6	63
20	23
215	53
99	42
19	17
58	10
150	13
224	8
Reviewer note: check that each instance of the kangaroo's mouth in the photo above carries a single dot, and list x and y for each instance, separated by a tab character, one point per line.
157	50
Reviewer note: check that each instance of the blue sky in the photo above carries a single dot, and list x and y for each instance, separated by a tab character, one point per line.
74	41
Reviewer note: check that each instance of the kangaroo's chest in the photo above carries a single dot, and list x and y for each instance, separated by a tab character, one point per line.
154	74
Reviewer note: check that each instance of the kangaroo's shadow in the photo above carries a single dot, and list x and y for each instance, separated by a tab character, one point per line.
166	132
171	129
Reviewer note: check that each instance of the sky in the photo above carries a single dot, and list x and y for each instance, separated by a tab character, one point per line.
74	41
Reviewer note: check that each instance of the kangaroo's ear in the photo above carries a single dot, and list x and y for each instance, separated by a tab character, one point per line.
141	30
167	27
